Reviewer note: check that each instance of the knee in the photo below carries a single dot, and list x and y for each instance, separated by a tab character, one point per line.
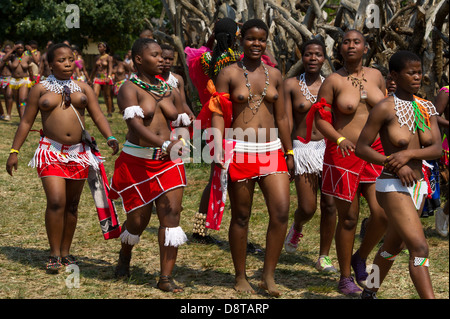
327	207
55	205
419	250
280	215
306	211
72	207
240	218
169	215
348	222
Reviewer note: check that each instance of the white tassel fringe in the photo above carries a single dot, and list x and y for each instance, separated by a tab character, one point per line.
129	239
174	236
133	111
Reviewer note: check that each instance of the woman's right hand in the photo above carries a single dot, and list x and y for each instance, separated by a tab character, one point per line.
406	176
11	163
346	147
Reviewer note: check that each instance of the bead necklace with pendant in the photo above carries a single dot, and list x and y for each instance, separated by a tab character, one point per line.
358	82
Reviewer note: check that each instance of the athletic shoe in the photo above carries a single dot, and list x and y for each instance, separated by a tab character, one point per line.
368	294
348	287
441	222
292	239
324	264
359	266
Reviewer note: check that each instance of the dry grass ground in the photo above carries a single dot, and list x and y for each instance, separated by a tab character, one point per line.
205	271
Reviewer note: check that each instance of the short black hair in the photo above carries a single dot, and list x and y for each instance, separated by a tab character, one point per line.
167	47
316	42
254	23
53	48
139	45
357	31
398	60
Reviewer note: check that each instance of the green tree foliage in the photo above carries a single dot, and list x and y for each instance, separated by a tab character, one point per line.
117	22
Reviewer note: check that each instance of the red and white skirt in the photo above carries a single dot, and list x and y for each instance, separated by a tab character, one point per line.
341	176
255	160
138	180
67	161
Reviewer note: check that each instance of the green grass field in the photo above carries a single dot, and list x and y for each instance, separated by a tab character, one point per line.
205	271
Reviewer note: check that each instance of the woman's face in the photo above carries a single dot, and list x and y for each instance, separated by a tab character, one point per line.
254	43
168	57
313	58
101	48
353	46
409	78
63	63
19	50
151	60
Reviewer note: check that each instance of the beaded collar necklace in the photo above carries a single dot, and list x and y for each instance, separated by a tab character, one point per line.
57	86
414	115
155	89
254	104
304	88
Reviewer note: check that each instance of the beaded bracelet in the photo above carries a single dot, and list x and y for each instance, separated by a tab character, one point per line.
13	151
111	138
290	152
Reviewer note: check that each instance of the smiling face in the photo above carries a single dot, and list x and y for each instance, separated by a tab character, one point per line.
63	63
150	60
409	78
313	58
353	46
254	43
19	50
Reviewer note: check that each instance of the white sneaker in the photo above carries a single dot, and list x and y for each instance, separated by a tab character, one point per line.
441	222
325	265
292	239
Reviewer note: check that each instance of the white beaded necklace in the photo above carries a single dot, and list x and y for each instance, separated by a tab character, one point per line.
304	88
57	86
409	113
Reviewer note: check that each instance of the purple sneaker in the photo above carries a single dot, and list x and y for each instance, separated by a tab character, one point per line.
359	266
348	287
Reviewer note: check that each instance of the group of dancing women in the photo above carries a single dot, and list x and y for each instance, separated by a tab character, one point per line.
342	136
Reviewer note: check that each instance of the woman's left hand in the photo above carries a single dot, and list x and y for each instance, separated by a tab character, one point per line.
397	160
290	166
114	144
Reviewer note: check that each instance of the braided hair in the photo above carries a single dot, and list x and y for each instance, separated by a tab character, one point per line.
225	34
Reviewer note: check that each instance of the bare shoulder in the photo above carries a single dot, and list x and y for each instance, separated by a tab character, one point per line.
178	77
84	86
372	71
385	107
332	81
128	95
273	71
37	90
290	83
